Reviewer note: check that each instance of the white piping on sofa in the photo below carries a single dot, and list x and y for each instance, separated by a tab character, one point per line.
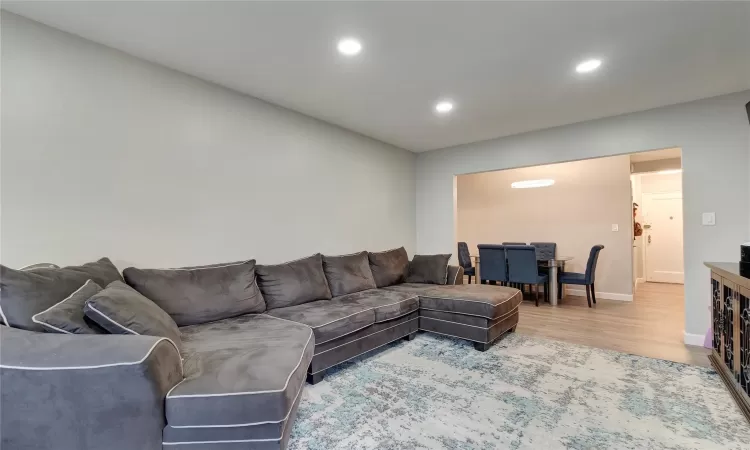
205	267
228	394
371	334
99	366
364	310
34	319
369	350
119	325
5	320
299	391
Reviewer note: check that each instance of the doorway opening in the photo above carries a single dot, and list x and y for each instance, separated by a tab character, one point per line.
640	303
656	180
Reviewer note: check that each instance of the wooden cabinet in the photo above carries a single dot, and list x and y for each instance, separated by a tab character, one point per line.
730	319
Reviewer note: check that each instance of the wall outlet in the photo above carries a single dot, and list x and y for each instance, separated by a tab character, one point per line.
615	227
709	219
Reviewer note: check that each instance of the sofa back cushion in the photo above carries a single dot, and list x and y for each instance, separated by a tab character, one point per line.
194	295
347	274
431	269
389	267
293	283
120	309
24	293
67	316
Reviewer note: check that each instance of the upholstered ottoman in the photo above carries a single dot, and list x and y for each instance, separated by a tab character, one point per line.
478	313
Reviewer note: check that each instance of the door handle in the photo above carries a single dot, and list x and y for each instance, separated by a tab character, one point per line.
649	238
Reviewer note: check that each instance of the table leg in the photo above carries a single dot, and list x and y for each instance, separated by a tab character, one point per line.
553	284
476	272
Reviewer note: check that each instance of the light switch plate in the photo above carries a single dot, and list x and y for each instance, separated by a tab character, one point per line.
709	219
615	227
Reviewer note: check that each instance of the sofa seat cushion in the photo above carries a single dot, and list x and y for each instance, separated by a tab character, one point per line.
386	304
242	371
471	299
329	319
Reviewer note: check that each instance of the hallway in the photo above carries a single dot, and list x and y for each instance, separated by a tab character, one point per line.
651	325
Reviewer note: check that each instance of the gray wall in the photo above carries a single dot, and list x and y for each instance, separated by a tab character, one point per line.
712	133
106	154
588	197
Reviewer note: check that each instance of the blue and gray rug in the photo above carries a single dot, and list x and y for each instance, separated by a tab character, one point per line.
524	393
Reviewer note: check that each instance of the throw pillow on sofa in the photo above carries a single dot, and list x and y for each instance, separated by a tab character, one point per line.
389	267
293	283
24	293
431	269
195	295
67	317
347	274
120	309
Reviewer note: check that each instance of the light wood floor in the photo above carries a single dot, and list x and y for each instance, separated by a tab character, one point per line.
651	325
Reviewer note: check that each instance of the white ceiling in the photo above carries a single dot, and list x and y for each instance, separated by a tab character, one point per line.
509	66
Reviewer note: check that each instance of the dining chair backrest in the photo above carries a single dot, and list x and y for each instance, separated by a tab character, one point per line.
514	243
464	258
522	265
545	250
492	262
591	264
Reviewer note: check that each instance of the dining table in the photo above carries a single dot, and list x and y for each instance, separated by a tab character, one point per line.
554	265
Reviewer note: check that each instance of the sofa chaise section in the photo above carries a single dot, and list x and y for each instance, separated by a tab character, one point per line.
243	383
84	391
477	313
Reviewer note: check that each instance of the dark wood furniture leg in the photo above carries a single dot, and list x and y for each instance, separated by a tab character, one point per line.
588	294
315	378
482	347
593	293
410	337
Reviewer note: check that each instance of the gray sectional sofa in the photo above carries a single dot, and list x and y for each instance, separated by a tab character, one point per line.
211	357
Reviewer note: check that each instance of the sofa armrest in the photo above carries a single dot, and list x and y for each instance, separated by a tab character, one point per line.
455	275
84	391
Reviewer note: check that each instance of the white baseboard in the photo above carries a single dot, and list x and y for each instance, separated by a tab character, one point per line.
640	280
601	295
693	339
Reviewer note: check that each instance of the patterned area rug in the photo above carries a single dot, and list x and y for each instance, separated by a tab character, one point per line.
524	393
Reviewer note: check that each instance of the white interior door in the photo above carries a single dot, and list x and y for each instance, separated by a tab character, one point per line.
662	237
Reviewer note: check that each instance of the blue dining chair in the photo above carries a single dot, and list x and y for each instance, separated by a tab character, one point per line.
585	279
464	260
493	267
544	252
523	268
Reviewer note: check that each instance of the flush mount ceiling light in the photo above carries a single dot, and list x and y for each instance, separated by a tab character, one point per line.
532	184
349	46
588	66
443	107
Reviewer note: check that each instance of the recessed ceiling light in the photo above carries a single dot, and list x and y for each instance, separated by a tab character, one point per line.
349	46
588	66
532	184
444	107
